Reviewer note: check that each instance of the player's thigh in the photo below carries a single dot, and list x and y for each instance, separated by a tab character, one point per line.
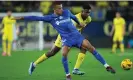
120	39
4	37
87	45
115	38
10	37
58	42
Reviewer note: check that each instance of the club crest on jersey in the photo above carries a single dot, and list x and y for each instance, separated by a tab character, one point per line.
57	22
61	17
62	21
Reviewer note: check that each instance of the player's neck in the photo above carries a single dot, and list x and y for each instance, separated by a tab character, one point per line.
118	17
9	16
56	14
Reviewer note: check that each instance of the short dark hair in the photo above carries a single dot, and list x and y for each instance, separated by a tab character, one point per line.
118	12
8	10
87	7
56	3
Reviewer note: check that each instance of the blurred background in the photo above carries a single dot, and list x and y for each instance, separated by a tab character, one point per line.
32	35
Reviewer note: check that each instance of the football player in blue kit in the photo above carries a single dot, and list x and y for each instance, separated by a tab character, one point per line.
61	21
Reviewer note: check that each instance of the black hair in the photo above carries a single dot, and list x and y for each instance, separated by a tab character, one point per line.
87	7
118	12
56	3
8	10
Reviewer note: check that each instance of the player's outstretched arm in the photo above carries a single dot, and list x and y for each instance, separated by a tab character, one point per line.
18	18
73	17
34	18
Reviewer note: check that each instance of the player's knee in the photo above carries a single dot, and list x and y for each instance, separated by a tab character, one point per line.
91	48
114	42
121	42
50	54
64	54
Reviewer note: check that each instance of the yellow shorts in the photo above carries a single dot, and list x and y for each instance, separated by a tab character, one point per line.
58	42
118	38
7	36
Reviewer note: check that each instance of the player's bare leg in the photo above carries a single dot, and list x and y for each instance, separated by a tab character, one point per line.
65	50
44	57
86	44
79	61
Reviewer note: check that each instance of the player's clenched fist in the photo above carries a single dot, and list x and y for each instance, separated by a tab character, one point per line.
18	18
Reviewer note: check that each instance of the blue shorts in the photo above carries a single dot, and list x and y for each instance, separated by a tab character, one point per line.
73	41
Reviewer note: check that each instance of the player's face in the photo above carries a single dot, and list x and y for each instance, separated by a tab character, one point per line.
118	14
9	13
58	9
86	12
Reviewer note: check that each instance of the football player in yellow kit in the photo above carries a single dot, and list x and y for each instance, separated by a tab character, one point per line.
83	18
7	25
119	31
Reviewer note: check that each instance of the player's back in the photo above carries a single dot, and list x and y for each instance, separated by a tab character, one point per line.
118	24
8	23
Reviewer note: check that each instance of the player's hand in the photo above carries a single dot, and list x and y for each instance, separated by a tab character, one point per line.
2	32
18	18
123	33
82	25
110	34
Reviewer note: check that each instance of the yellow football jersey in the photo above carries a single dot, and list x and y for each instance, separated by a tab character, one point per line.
88	20
58	42
118	25
8	24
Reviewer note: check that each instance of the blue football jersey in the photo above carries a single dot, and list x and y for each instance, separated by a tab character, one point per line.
62	23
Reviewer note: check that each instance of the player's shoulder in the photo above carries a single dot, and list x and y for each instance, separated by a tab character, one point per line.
78	14
12	16
122	18
114	18
4	17
50	16
66	10
89	17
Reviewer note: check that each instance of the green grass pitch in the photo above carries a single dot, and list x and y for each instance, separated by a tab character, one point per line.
16	66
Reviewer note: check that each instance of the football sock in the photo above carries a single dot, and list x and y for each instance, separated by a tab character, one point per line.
65	65
122	47
79	60
99	58
114	47
9	48
4	46
41	59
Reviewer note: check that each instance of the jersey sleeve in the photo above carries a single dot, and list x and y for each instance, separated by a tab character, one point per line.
14	21
88	20
3	20
75	24
73	17
123	21
46	18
